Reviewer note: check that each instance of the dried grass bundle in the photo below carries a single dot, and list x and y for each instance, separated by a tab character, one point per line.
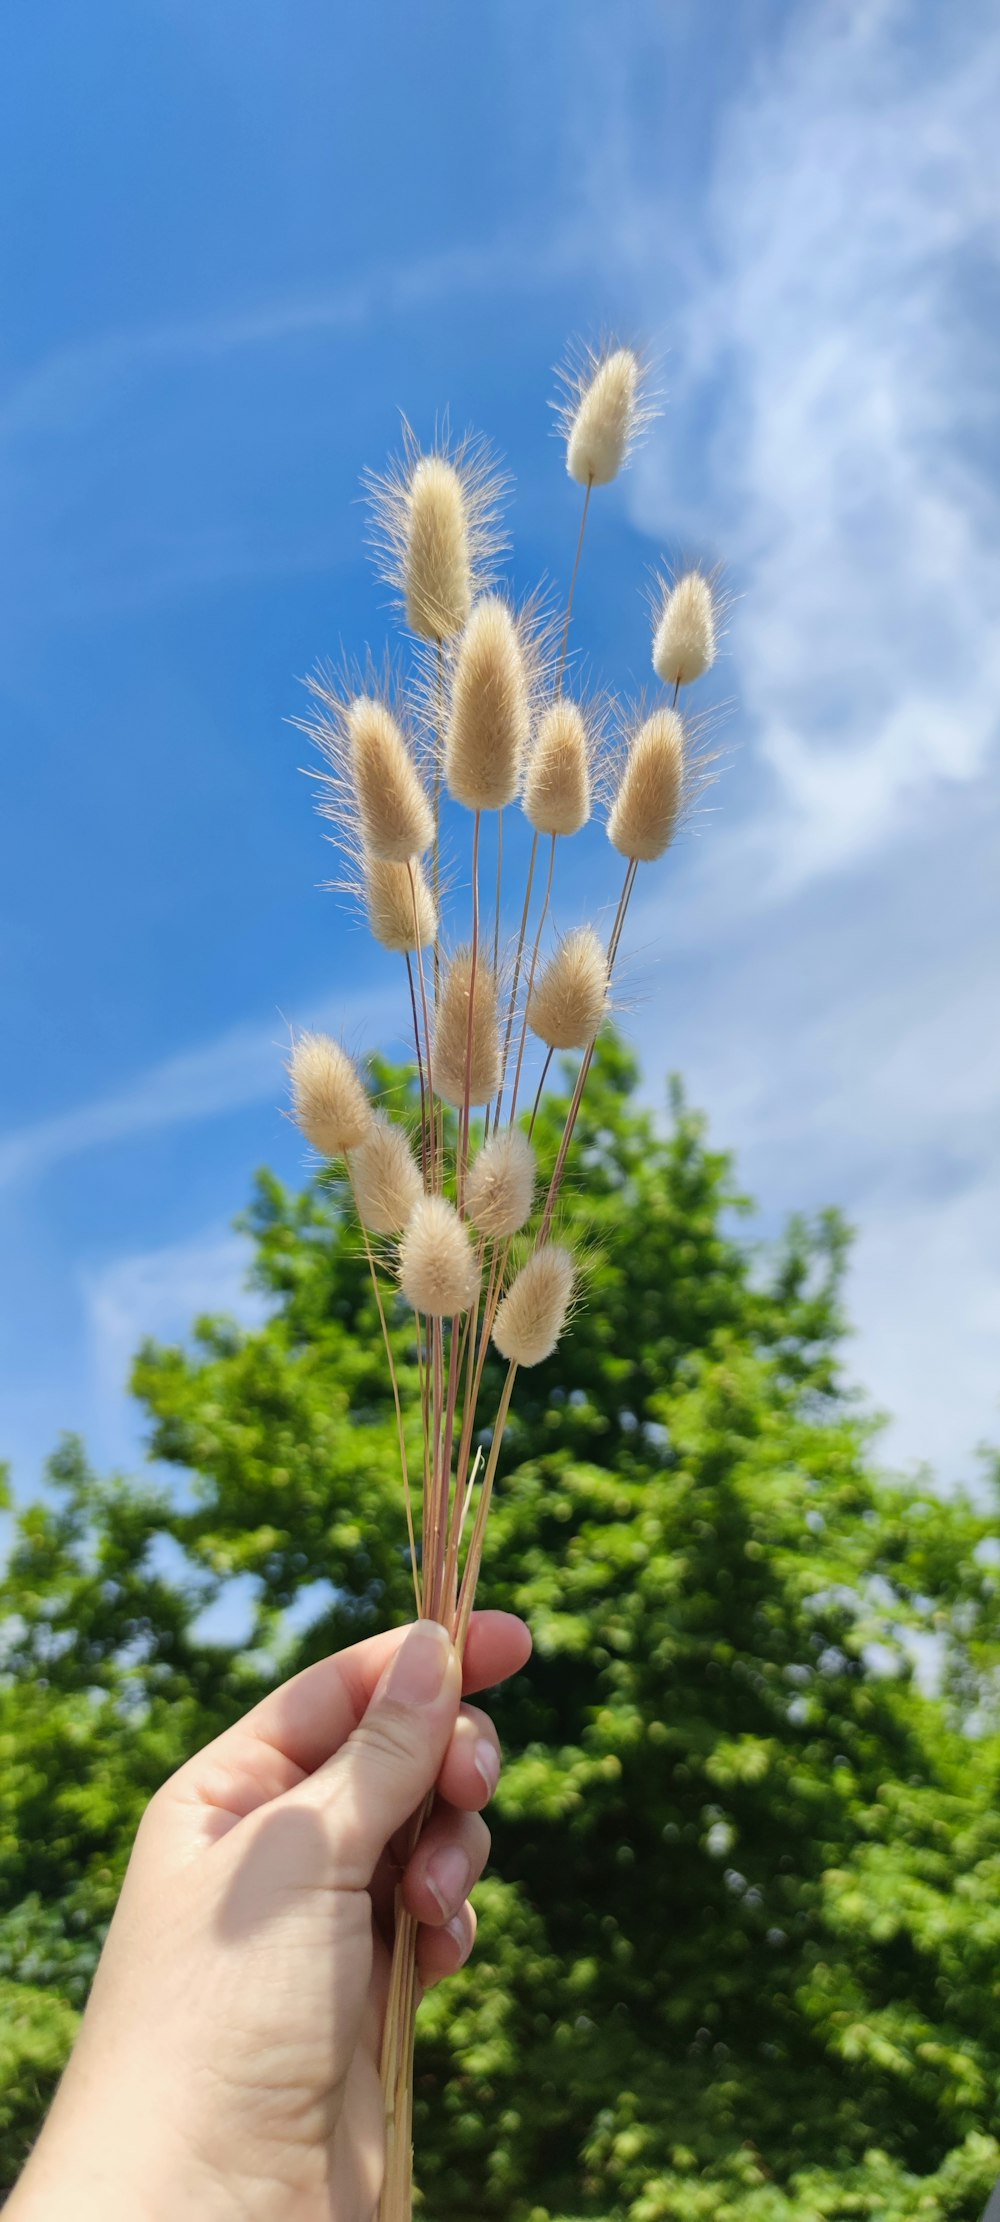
455	1215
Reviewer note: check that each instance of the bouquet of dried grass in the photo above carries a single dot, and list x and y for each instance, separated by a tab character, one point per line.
452	1222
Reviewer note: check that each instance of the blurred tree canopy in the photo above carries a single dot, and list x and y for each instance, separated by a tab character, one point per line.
740	1947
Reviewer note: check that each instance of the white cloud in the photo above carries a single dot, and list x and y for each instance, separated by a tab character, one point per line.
832	945
242	1066
159	1293
852	224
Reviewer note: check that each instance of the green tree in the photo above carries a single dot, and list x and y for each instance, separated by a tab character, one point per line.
739	1953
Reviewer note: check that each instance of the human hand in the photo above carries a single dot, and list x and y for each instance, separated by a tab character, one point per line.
227	2066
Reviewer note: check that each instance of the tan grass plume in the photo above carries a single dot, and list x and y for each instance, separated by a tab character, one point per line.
557	781
438	1272
451	1032
436	529
685	640
646	809
532	1315
501	1185
385	1176
329	1099
570	996
489	718
401	912
602	413
397	821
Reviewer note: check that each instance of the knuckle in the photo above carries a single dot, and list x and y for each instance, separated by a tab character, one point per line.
386	1736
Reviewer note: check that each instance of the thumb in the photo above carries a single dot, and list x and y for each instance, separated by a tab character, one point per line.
391	1759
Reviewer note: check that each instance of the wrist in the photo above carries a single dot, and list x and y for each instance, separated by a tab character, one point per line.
102	2176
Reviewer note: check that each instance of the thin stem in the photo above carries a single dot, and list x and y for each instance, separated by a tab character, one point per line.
426	1020
531	977
407	1494
572	587
463	1147
420	1065
581	1078
438	781
512	1005
496	922
474	1555
536	1106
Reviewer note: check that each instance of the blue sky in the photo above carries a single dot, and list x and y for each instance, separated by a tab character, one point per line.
240	239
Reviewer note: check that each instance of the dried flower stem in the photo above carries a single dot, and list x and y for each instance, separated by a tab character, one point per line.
572	587
425	1139
588	1058
390	1360
474	1554
463	1147
435	1156
512	1004
531	977
496	919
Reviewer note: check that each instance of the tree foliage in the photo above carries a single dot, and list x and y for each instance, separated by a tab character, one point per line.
739	1948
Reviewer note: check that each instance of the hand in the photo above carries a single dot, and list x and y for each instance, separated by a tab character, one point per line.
227	2066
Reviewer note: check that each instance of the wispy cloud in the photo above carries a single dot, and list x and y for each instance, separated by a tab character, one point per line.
833	945
159	1292
73	383
241	1066
852	227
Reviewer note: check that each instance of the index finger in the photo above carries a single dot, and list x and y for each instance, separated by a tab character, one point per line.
299	1726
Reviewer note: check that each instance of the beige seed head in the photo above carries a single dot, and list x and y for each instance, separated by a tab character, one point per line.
451	1032
570	996
532	1315
438	557
329	1100
500	1188
490	714
557	783
390	901
438	1273
436	529
645	811
385	1178
685	640
602	414
397	821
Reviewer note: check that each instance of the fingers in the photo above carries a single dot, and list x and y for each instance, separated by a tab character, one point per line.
441	1952
446	1865
391	1759
295	1730
471	1767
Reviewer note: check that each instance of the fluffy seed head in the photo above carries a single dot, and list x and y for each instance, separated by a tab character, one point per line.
438	1273
436	529
397	821
385	1177
438	557
390	901
685	639
329	1100
501	1185
570	996
532	1315
557	783
602	414
646	808
490	714
451	1032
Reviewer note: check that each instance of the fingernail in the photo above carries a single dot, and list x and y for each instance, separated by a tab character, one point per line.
487	1764
418	1671
448	1877
456	1928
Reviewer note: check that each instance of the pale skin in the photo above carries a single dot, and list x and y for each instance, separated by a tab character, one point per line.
227	2066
